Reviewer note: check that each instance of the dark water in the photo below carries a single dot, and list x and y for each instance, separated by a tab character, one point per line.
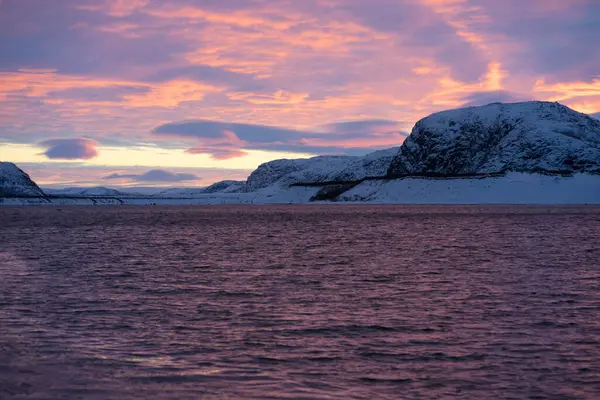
303	302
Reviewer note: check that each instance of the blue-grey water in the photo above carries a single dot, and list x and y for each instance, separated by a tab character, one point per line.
300	302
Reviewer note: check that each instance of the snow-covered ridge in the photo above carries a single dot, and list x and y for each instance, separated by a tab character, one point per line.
283	173
226	186
180	192
87	192
15	182
524	137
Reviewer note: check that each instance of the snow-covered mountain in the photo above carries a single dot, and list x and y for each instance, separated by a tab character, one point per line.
15	182
87	192
521	137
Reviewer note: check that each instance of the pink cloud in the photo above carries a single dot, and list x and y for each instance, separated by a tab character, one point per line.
115	70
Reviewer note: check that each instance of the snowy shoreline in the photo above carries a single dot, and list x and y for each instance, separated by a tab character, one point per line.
512	188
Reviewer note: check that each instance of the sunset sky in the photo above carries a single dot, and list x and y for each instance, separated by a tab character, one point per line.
100	92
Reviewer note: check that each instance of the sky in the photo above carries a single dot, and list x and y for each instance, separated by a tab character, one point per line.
189	92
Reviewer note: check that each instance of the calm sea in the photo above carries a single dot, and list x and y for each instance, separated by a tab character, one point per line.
300	302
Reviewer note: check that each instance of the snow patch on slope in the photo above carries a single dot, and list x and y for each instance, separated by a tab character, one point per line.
513	188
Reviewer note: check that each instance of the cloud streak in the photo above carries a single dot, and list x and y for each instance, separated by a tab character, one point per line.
155	175
227	140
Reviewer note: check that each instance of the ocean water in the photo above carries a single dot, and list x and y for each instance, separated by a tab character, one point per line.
300	302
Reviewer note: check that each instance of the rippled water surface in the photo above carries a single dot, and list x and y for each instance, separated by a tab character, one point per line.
303	302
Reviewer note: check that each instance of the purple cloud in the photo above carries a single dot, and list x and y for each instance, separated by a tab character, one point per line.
363	127
155	175
70	149
110	93
119	70
224	140
555	37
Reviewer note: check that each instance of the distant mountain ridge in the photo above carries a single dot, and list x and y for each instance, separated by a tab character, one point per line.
86	191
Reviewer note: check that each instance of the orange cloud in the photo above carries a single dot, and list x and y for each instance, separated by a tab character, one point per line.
279	97
260	62
115	8
240	18
450	92
460	15
581	96
280	63
40	84
170	94
565	90
127	30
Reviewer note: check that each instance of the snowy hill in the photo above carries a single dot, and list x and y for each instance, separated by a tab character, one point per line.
15	182
283	173
226	186
286	172
523	137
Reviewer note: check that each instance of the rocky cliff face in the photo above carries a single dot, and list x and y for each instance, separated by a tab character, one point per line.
522	137
15	182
